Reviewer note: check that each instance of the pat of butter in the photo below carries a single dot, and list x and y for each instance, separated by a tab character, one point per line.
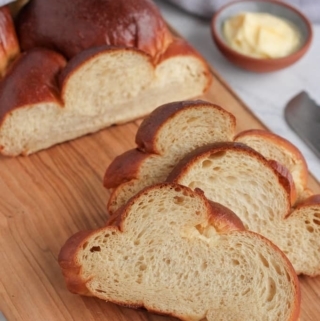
261	35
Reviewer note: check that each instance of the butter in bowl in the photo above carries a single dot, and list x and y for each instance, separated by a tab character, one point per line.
261	36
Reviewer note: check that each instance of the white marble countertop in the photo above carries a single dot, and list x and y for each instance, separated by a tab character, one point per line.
265	94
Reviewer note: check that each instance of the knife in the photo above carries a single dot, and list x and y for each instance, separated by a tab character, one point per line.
303	116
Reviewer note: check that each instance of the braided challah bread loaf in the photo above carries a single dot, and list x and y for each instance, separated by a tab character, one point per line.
121	62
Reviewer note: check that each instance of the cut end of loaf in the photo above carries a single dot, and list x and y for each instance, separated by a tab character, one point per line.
100	87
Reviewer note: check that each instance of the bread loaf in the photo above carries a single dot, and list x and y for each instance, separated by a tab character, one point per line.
9	46
174	252
73	26
274	147
163	138
243	180
121	62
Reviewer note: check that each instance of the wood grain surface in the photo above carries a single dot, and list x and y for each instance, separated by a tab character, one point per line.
48	196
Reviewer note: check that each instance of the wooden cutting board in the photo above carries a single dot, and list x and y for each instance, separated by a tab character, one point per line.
47	197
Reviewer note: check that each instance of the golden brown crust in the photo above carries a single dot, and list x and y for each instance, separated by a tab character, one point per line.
67	261
281	142
225	220
284	172
85	24
313	200
115	218
31	80
123	168
9	46
146	137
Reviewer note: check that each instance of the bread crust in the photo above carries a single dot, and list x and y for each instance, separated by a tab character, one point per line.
124	168
73	26
69	265
313	200
39	68
223	219
284	172
9	46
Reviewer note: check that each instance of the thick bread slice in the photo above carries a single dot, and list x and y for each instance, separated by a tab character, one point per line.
98	87
176	253
238	177
163	138
274	147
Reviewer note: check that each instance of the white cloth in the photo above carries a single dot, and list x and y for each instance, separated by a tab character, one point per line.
4	2
206	8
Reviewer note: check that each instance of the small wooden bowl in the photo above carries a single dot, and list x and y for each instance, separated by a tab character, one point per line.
280	9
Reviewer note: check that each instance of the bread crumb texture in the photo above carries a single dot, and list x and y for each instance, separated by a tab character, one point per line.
168	256
245	182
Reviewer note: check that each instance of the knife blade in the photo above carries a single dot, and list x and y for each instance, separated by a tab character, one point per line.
303	116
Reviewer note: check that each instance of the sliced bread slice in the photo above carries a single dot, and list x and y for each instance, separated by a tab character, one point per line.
164	137
240	178
174	252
